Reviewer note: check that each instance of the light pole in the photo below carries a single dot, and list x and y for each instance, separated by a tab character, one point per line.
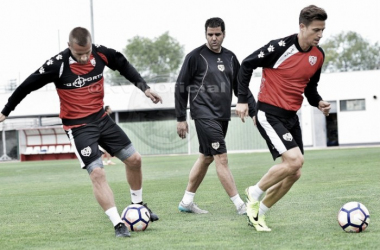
92	23
5	157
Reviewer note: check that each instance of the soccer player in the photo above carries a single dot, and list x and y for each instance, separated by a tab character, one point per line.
208	76
291	67
77	73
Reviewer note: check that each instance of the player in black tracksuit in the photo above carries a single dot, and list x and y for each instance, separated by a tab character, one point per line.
291	66
207	81
77	73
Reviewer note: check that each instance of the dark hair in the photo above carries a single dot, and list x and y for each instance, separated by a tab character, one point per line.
80	36
106	107
214	23
311	13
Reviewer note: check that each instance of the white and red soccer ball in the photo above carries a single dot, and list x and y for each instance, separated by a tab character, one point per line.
353	217
136	217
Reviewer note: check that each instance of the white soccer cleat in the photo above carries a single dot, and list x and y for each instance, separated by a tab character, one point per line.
191	208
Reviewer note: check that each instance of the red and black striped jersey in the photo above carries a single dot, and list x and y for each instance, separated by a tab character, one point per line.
288	72
80	87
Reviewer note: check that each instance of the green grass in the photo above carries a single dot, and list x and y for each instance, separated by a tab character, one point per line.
50	205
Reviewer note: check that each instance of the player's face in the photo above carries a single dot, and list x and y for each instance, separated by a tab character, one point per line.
312	34
81	53
215	38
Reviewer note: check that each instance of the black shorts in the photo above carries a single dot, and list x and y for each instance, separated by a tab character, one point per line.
211	134
104	132
281	134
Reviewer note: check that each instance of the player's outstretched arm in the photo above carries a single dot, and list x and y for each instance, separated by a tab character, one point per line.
2	117
153	96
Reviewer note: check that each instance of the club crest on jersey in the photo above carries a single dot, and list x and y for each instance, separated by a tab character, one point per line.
215	145
312	60
93	62
86	151
287	137
221	67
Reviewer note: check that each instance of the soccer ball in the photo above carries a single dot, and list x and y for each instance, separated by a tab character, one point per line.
353	217
136	217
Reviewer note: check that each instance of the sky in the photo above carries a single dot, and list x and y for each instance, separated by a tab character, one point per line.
32	31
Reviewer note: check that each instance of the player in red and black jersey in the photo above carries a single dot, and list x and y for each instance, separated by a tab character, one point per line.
77	73
291	67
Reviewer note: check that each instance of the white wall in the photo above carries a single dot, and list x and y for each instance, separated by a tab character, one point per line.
355	127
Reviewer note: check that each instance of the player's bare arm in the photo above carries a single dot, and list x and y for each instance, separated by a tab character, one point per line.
324	107
153	96
242	110
182	129
2	117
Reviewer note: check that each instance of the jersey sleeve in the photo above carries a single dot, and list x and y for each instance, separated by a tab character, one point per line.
311	92
250	99
47	73
183	82
117	61
263	57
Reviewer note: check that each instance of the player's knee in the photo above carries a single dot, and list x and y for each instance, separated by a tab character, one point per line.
97	174
134	160
207	160
296	176
298	162
295	163
221	160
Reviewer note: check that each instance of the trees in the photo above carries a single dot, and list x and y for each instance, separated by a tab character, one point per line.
348	51
155	59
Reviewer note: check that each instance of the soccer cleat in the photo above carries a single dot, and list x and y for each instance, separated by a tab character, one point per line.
253	207
153	216
121	230
261	225
242	210
191	208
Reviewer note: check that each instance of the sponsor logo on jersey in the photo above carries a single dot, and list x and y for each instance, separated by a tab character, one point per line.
80	81
287	137
215	145
221	67
289	51
86	151
312	60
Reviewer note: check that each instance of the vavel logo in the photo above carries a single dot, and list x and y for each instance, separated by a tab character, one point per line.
80	81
